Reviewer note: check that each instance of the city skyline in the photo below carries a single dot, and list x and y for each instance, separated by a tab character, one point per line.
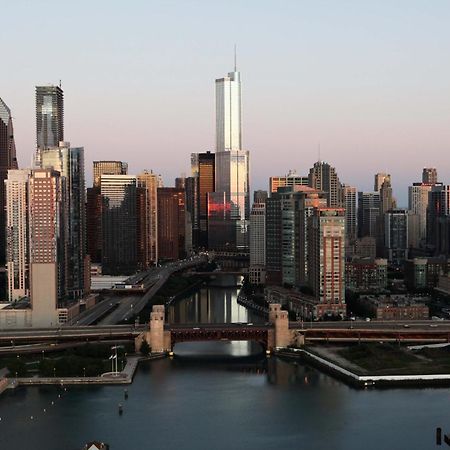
393	101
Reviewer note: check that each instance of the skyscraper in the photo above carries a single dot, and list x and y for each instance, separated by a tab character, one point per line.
232	166
203	167
379	180
438	219
291	179
119	224
349	203
323	177
368	212
69	162
326	258
396	235
149	182
257	242
49	116
17	255
94	224
418	195
108	168
7	161
48	225
171	223
429	175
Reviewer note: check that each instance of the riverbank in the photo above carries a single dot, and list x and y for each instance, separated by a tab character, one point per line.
110	378
347	372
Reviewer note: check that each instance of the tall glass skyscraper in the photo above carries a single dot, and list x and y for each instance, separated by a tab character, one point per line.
230	202
69	162
7	161
49	116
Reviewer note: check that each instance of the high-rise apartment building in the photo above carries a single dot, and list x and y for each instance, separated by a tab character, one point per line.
349	203
119	224
438	219
203	167
94	224
257	242
48	225
323	177
171	223
108	168
396	237
308	200
287	212
69	162
148	218
17	254
429	175
7	161
326	258
368	212
232	168
290	180
49	116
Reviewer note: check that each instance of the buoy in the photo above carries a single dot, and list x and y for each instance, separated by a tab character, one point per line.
125	393
53	402
120	409
45	410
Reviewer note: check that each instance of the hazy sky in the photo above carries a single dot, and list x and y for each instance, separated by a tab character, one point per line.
368	80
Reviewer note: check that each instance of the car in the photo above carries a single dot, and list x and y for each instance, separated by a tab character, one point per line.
433	326
367	319
405	326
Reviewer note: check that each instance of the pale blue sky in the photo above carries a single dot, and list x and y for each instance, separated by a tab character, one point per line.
369	80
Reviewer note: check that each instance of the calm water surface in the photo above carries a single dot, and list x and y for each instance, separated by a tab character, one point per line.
223	395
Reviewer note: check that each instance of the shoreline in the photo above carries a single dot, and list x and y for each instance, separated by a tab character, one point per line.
124	377
365	381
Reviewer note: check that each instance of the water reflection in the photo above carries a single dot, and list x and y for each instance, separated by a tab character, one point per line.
215	302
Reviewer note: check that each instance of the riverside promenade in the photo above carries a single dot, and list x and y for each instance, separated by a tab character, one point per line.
123	377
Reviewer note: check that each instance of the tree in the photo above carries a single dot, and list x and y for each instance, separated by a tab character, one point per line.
145	348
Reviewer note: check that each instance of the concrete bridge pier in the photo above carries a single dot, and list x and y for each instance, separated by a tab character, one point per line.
156	336
282	337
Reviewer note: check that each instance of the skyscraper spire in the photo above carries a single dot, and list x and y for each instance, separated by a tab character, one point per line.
235	58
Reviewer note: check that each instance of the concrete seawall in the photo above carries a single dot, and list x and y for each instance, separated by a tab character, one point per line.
364	381
124	377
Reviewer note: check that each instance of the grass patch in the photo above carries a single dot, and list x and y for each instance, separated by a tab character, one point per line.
374	357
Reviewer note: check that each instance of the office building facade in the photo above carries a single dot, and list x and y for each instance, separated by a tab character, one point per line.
119	224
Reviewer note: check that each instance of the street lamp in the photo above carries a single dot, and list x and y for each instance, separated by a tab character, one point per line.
54	372
84	372
43	355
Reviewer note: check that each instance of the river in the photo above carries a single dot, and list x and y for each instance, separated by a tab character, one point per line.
222	395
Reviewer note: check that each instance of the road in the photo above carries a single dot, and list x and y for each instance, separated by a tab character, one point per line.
154	281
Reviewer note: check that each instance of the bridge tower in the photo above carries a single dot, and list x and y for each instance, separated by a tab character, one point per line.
157	341
280	320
